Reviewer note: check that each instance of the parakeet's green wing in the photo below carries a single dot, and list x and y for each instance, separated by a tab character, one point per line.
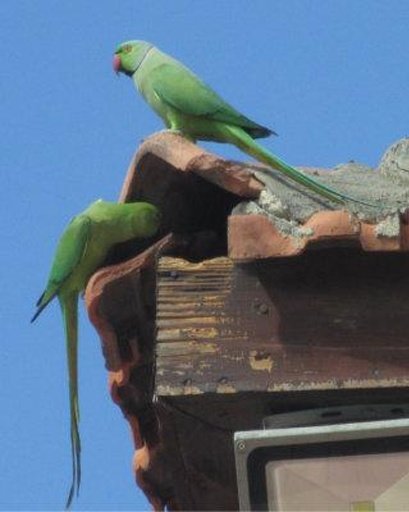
70	250
184	91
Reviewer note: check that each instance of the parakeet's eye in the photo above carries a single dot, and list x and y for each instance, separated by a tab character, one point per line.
127	48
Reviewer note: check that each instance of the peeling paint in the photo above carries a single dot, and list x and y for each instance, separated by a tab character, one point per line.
192	390
161	372
162	390
203	333
168	390
205	348
260	361
338	384
190	333
171	319
225	388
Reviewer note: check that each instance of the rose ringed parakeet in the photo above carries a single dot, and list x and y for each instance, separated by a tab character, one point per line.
81	249
188	105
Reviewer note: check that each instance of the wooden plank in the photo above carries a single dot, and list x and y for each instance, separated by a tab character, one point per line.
325	320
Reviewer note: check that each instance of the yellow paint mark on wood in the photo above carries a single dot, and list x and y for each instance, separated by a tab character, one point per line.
185	348
260	361
225	388
197	333
206	348
186	321
192	390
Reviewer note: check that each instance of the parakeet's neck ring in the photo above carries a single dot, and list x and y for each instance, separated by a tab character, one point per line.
149	48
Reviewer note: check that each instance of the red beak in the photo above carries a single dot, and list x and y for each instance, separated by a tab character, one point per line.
116	63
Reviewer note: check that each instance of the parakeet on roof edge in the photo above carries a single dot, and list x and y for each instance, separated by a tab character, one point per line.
81	249
186	104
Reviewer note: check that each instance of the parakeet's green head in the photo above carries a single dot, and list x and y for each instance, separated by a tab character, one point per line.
128	56
145	218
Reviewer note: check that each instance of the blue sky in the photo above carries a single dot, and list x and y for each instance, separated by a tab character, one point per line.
331	77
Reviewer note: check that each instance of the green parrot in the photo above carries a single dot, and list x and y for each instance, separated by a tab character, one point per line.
81	249
186	104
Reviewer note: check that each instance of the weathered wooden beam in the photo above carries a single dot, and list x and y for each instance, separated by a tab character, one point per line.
335	319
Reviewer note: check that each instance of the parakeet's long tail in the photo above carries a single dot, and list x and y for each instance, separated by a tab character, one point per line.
69	307
246	143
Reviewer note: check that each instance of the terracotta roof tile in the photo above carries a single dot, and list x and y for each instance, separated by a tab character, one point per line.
216	207
282	216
